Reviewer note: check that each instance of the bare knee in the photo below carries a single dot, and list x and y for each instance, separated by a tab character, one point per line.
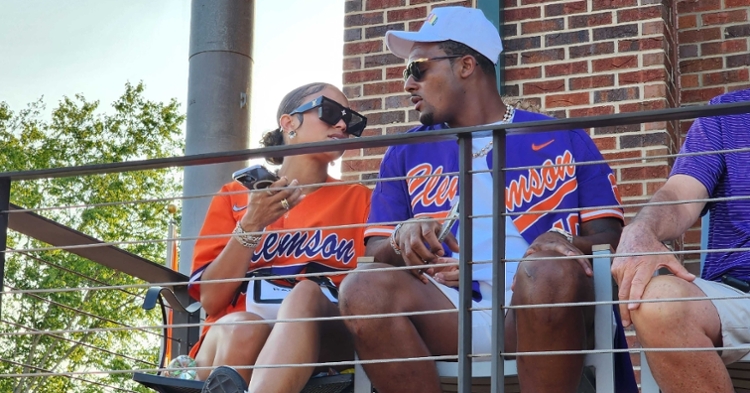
661	287
234	329
364	292
653	320
305	292
305	300
229	333
551	281
548	282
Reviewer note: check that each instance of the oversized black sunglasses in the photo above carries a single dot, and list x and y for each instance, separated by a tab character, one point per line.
412	69
332	112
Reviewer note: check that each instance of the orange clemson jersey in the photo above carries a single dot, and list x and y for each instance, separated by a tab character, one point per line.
298	242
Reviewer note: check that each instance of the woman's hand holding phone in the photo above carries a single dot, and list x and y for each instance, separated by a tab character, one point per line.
268	205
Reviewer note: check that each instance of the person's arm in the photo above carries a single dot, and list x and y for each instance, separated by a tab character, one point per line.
417	241
391	204
234	259
380	248
600	219
669	221
653	225
232	262
693	177
599	231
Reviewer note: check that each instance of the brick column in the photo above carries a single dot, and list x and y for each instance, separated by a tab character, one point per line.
583	58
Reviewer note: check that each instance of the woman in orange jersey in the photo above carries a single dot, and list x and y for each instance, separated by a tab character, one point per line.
300	218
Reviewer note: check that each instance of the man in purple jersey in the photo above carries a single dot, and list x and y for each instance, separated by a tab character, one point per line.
560	210
694	324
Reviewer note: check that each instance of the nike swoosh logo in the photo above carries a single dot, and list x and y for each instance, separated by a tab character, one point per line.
536	147
239	208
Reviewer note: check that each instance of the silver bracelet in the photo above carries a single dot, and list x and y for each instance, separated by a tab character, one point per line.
568	236
395	246
245	238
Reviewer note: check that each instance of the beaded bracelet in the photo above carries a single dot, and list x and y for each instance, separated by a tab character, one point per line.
245	238
395	246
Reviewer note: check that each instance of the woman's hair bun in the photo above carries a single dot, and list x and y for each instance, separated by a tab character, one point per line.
273	138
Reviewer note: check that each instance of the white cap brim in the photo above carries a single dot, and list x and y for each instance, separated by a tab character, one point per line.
400	43
467	26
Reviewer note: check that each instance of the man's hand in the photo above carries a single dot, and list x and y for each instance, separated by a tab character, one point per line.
418	241
633	273
446	275
551	241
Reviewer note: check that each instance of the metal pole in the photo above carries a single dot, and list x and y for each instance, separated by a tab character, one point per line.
218	111
465	267
4	206
498	259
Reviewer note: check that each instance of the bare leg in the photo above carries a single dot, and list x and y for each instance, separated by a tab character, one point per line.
301	342
398	337
693	324
232	345
551	329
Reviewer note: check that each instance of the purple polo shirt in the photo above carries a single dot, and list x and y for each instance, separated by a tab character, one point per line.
723	175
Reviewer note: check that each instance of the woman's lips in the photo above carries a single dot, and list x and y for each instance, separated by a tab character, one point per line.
337	136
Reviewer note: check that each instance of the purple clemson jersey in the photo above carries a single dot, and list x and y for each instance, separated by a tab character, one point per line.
547	179
548	189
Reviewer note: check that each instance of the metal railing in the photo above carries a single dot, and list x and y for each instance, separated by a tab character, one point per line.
60	237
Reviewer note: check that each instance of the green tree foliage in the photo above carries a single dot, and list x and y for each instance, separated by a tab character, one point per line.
79	133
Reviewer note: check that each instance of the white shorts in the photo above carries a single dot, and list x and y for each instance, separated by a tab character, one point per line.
265	300
482	320
481	332
734	315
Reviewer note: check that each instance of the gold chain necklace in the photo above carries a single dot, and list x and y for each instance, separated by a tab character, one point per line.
509	110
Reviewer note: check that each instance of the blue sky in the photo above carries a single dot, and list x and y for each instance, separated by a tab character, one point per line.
53	48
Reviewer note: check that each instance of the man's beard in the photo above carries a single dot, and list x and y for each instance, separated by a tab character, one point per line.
427	118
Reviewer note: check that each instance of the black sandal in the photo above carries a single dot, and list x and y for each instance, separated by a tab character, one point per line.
224	379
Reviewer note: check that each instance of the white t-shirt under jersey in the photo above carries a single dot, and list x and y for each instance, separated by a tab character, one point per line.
482	199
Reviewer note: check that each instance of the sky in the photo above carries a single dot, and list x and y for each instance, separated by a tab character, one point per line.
54	48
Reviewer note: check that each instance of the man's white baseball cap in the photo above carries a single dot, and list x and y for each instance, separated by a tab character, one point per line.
466	25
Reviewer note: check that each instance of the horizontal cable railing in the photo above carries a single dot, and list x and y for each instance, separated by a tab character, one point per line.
133	290
386	140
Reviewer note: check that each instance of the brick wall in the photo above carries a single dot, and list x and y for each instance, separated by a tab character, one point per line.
572	58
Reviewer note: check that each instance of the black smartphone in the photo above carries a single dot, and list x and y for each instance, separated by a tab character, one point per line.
742	285
255	177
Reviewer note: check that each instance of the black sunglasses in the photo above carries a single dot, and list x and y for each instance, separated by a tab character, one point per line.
412	69
332	112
